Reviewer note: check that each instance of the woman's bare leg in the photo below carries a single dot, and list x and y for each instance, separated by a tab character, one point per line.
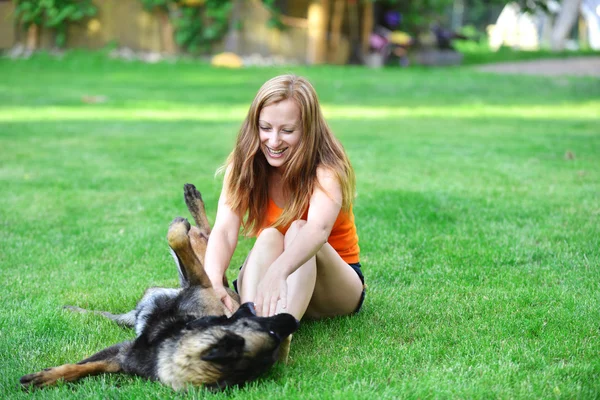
301	283
268	246
336	290
325	286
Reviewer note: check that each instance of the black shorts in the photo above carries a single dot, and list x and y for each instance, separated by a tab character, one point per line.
356	267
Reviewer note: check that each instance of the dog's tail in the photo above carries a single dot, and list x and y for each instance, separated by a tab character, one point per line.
127	319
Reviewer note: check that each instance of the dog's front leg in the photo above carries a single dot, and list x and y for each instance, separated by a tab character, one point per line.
105	361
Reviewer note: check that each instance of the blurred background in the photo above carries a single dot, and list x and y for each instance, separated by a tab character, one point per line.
266	32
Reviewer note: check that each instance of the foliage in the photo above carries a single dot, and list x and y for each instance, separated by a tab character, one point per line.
197	28
525	5
53	14
481	13
417	15
157	4
198	24
275	14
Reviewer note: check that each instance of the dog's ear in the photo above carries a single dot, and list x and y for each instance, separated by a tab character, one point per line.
229	348
283	324
245	310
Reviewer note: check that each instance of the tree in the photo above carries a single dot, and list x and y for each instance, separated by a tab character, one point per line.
567	17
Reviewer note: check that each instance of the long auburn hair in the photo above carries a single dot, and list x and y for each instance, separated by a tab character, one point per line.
248	170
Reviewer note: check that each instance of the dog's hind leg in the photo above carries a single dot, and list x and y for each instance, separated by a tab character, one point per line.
126	319
199	242
183	278
105	361
198	234
191	270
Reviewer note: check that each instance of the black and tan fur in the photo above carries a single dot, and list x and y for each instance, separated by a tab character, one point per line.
185	335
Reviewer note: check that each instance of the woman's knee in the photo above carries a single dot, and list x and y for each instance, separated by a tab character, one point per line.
270	238
268	246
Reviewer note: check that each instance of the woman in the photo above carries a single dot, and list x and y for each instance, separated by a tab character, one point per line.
289	183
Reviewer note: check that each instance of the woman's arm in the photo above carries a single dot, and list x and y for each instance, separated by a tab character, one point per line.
221	245
325	205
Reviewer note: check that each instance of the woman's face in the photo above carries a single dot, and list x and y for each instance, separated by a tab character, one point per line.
280	129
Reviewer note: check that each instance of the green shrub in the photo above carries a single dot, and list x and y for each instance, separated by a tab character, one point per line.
197	24
53	14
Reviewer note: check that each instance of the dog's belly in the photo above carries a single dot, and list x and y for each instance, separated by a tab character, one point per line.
148	305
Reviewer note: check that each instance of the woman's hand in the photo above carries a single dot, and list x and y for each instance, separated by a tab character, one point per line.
216	279
272	287
224	297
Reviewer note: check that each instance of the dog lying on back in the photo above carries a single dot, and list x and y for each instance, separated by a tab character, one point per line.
185	336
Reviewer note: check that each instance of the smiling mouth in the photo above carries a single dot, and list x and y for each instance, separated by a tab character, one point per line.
274	152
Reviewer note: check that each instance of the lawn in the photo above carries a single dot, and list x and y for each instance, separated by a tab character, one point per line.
478	211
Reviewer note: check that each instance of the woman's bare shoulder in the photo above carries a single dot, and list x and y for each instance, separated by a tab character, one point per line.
326	175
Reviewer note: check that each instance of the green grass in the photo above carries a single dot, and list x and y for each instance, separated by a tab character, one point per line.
479	237
478	52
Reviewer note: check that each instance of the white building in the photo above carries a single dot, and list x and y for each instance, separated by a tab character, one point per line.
525	31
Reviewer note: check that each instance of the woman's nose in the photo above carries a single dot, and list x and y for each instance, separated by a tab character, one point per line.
274	139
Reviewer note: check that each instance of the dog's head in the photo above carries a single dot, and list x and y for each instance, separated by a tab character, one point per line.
230	351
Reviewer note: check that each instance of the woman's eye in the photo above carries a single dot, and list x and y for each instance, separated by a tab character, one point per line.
265	128
288	131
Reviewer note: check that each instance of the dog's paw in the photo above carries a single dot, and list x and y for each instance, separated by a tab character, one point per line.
195	205
190	193
177	236
38	379
193	200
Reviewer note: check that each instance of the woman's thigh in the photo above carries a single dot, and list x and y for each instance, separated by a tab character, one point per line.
338	288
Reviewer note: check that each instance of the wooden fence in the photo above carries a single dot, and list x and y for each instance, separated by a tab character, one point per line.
127	24
316	31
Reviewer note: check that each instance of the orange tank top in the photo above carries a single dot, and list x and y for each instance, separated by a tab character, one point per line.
343	237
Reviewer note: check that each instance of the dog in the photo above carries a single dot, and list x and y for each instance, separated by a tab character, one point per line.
185	336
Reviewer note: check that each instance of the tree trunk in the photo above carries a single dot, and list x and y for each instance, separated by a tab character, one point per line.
337	18
232	39
318	20
367	27
458	12
33	38
167	33
564	23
